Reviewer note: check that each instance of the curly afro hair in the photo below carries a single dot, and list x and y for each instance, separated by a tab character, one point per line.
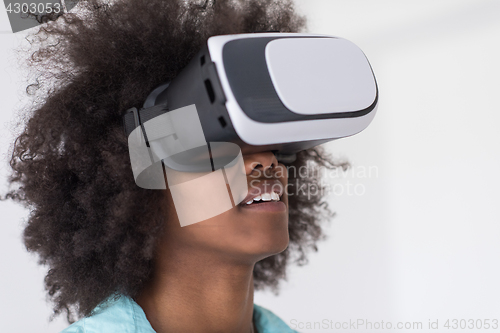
88	221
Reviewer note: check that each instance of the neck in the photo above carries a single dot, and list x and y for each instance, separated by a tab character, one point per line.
198	291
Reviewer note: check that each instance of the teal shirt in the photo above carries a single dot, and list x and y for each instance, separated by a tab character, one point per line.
126	316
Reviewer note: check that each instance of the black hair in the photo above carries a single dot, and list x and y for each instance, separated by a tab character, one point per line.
89	222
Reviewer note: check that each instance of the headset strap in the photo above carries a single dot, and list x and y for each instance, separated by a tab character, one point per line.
133	117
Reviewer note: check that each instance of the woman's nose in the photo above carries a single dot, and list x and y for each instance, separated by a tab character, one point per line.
259	162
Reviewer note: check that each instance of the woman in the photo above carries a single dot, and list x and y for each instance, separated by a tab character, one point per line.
118	257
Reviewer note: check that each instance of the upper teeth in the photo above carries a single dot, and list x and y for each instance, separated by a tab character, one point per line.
265	197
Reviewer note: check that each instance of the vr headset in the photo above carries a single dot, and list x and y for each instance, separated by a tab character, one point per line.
279	92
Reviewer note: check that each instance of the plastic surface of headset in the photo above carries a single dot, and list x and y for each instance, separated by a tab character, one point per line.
280	92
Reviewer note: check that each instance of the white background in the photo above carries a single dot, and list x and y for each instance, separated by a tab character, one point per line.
423	241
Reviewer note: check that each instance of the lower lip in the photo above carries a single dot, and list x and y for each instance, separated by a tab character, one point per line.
271	206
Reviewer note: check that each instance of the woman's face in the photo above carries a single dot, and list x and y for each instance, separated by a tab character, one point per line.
247	232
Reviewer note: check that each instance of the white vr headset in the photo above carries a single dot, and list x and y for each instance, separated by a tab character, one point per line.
279	92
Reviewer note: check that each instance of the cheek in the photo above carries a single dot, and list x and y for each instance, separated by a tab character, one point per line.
283	178
236	230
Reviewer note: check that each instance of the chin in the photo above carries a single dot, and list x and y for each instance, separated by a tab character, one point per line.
261	236
240	234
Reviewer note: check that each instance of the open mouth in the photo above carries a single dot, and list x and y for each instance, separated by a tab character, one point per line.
265	197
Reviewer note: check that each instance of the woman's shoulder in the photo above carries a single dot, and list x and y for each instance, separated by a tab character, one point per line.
267	322
117	315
